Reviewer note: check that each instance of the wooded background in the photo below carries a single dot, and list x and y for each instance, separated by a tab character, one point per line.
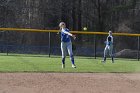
96	15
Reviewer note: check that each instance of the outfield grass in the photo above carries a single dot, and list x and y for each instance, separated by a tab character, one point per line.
39	63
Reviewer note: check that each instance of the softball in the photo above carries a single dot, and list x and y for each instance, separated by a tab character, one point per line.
85	28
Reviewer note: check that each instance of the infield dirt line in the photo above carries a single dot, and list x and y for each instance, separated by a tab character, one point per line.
69	82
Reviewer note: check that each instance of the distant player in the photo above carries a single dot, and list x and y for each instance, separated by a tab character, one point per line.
66	44
109	47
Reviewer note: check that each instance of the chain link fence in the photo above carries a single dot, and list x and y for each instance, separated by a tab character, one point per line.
91	45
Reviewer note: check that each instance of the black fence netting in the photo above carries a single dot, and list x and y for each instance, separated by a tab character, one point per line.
48	43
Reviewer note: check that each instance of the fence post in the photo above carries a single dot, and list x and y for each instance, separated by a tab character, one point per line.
6	37
138	48
49	44
95	46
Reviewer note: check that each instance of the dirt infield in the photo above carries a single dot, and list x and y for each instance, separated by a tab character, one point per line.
69	83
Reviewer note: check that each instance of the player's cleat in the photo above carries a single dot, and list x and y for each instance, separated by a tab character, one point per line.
103	61
73	66
113	61
63	65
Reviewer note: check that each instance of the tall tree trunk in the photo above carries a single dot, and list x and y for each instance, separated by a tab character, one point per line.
73	15
65	13
100	16
79	16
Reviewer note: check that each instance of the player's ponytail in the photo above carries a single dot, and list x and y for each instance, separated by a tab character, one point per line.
61	23
60	26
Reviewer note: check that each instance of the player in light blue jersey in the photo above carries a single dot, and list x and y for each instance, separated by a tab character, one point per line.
109	47
66	44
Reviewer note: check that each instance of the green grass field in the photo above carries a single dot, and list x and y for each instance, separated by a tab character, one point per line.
38	63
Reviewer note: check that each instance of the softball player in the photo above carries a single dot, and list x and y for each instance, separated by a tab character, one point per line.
66	44
109	47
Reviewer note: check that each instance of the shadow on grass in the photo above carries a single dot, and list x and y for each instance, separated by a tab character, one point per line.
59	56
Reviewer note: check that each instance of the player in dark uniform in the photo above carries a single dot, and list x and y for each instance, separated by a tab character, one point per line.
109	47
